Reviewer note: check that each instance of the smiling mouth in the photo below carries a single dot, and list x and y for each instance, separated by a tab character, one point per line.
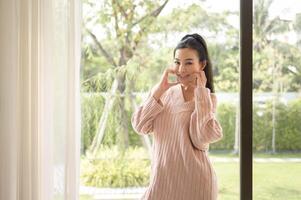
186	76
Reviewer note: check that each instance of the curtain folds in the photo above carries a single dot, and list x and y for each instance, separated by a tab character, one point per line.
40	103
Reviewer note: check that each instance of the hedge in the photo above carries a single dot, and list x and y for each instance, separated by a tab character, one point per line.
131	168
116	169
287	125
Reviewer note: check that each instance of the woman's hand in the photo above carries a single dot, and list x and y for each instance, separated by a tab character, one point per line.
164	84
201	79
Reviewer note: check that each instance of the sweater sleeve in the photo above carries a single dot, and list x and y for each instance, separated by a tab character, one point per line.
143	117
204	128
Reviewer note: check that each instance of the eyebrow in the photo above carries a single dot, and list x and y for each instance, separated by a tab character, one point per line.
185	59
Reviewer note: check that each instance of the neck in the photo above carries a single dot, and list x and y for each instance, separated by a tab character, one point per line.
187	88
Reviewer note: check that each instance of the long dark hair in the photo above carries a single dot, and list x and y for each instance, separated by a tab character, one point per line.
197	42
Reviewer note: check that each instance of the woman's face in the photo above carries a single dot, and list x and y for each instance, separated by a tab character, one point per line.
186	62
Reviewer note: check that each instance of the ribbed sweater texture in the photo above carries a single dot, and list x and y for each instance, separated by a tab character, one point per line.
182	131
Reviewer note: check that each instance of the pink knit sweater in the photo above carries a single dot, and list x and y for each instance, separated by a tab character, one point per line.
182	131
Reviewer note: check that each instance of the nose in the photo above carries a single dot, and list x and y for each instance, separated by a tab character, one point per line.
181	70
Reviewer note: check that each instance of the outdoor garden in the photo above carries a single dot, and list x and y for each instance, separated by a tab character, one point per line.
126	45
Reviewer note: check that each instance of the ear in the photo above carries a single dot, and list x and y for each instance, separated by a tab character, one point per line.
203	64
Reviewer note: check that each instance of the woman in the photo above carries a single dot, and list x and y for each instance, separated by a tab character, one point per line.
181	116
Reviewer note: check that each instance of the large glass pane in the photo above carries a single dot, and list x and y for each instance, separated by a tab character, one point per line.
277	103
124	52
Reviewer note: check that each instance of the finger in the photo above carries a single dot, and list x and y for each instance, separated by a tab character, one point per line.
172	84
165	75
167	71
204	76
204	79
198	74
199	79
171	70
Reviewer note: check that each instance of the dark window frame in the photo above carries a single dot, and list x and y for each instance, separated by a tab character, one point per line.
246	100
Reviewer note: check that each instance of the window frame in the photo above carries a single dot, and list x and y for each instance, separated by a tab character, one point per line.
246	100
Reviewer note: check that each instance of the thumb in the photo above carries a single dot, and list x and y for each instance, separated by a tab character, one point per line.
172	84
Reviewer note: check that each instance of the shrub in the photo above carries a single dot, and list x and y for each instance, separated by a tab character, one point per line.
91	108
288	128
116	169
226	114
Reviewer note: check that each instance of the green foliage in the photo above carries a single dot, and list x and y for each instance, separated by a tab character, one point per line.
297	27
263	26
100	82
271	57
225	61
262	127
91	62
191	17
130	168
287	126
146	68
116	169
154	51
226	114
288	135
91	109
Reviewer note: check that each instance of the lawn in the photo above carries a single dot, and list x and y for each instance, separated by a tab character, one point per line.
271	181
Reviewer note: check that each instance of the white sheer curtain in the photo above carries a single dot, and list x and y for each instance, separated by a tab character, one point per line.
39	99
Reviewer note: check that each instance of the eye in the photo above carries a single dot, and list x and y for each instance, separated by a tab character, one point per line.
189	63
177	62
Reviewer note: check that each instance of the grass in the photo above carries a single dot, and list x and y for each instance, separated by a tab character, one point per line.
275	181
257	155
86	197
271	181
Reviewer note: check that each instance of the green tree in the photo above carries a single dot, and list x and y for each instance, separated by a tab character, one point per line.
271	60
264	28
123	25
297	28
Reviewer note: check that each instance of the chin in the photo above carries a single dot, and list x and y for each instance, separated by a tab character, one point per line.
185	84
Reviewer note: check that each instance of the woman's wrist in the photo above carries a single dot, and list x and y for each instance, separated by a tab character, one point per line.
157	94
